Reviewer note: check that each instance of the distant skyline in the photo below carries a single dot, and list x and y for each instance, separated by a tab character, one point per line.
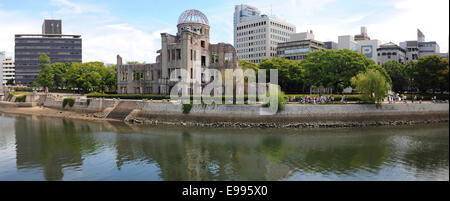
132	28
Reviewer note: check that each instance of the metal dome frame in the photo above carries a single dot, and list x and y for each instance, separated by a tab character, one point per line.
193	16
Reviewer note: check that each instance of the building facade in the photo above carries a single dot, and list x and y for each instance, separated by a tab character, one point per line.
28	48
420	48
257	37
369	48
363	35
347	42
330	45
391	52
7	69
299	45
241	13
189	49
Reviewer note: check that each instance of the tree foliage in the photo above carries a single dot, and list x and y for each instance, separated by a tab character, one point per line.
334	68
81	77
290	73
399	75
373	84
248	65
428	73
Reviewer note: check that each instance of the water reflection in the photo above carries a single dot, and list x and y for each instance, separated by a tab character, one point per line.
60	149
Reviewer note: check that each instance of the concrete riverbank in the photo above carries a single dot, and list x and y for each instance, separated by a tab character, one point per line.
242	116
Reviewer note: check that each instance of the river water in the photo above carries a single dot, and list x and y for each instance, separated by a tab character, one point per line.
38	148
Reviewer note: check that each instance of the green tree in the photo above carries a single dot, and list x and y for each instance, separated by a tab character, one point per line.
398	74
44	59
10	82
372	84
443	76
46	77
248	65
382	71
59	70
290	73
334	68
426	73
73	76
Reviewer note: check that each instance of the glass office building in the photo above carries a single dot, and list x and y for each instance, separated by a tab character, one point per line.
28	47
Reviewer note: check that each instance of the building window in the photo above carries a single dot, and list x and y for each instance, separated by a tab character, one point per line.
179	54
203	60
173	54
203	44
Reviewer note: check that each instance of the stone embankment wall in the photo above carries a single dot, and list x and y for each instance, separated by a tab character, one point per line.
292	114
296	113
81	105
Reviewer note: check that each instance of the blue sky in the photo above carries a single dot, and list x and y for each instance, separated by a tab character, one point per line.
132	28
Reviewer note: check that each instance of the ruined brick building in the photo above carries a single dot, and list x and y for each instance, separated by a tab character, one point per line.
189	49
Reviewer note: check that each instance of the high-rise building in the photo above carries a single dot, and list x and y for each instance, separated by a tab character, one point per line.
347	42
243	12
60	48
330	45
257	37
420	48
52	27
7	69
420	36
363	35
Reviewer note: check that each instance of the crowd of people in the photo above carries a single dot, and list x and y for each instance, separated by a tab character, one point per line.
315	99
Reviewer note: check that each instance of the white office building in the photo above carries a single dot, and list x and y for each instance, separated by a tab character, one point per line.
243	12
360	43
347	42
257	37
7	68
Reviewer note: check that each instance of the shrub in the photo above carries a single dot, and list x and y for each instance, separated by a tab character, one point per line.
88	101
281	101
70	101
187	108
21	98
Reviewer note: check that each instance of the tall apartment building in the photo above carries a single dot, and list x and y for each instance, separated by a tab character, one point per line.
60	48
257	37
243	12
7	69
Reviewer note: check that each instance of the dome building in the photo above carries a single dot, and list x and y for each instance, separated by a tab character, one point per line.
189	49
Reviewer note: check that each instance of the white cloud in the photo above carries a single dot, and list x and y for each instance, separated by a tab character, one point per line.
105	42
431	17
105	36
15	23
